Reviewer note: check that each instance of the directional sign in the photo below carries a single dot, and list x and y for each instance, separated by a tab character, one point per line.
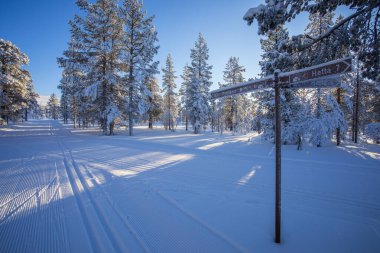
263	83
331	68
324	82
318	76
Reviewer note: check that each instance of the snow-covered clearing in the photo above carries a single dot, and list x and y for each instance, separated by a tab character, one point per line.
66	190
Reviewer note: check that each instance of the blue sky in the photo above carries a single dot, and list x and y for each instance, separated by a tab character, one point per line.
40	29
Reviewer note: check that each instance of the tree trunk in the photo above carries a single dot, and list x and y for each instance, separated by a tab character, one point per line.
169	115
338	129
357	107
150	125
319	108
111	127
130	119
299	142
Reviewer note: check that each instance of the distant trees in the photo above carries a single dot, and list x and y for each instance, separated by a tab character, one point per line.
52	107
17	95
235	111
154	101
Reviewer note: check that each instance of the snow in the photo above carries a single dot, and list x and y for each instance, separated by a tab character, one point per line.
72	190
252	12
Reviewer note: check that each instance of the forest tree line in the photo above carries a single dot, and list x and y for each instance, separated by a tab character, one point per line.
110	74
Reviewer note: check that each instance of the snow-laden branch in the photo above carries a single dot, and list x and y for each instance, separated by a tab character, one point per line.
337	26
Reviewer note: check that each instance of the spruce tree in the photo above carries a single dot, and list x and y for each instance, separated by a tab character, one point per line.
52	107
32	106
139	50
232	106
325	113
100	35
73	83
155	101
170	96
200	82
276	57
184	92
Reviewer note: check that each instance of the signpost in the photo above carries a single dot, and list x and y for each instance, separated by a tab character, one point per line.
319	76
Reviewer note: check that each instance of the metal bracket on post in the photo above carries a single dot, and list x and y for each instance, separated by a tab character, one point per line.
278	158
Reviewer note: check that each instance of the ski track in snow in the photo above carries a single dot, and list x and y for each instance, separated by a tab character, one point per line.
225	244
230	244
36	200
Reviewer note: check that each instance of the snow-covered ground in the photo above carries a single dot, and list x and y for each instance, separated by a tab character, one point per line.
68	190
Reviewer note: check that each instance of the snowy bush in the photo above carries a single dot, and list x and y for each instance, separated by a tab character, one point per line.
373	132
2	122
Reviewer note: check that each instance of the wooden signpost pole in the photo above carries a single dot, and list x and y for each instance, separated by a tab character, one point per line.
338	129
357	106
278	159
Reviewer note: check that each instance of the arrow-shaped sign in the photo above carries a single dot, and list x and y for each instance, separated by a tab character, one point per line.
322	75
331	68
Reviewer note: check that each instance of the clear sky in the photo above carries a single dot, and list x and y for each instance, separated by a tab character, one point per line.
40	29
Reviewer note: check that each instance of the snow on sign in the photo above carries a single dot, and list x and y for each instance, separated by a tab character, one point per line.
322	75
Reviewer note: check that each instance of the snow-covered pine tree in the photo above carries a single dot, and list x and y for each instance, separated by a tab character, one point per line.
363	23
318	52
184	92
32	106
65	96
138	55
155	101
273	48
100	34
15	82
73	83
369	103
276	57
170	96
52	107
325	115
235	115
200	82
339	47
